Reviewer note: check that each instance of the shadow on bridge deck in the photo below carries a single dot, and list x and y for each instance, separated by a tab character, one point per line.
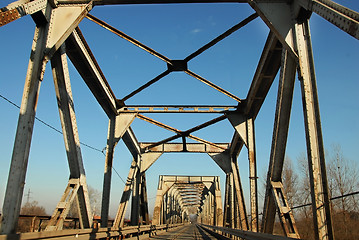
190	231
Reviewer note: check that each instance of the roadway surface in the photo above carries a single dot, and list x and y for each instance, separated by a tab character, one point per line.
190	231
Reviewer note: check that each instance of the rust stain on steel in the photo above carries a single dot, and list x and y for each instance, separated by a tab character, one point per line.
9	16
176	108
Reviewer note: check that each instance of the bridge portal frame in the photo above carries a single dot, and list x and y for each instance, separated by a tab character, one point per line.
288	47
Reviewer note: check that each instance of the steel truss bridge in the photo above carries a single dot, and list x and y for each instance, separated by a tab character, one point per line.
287	50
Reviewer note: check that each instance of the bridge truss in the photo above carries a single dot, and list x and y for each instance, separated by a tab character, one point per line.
287	50
179	197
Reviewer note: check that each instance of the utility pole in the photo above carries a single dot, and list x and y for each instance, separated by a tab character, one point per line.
28	196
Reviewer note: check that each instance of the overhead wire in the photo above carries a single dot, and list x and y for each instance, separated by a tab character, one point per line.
58	131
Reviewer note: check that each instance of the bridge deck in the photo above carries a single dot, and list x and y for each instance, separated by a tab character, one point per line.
190	231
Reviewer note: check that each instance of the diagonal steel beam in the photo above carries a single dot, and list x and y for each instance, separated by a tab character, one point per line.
157	123
182	134
212	85
84	61
146	85
267	69
128	38
188	132
222	36
342	17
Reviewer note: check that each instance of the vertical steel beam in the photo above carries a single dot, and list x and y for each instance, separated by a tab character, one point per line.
164	209
20	155
144	201
279	139
226	201
218	204
106	188
232	201
244	126
239	196
159	203
135	204
156	219
117	127
71	136
317	170
252	174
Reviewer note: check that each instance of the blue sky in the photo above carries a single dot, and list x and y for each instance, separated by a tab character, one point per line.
175	31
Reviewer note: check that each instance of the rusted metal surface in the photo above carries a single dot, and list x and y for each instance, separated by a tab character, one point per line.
190	147
315	148
9	16
176	109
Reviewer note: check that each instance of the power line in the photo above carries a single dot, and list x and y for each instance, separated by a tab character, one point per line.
119	175
48	125
333	198
58	131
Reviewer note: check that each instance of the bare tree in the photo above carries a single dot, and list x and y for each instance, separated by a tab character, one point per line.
32	208
290	182
343	179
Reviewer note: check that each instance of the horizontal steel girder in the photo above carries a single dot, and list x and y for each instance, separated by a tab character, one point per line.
175	109
189	147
